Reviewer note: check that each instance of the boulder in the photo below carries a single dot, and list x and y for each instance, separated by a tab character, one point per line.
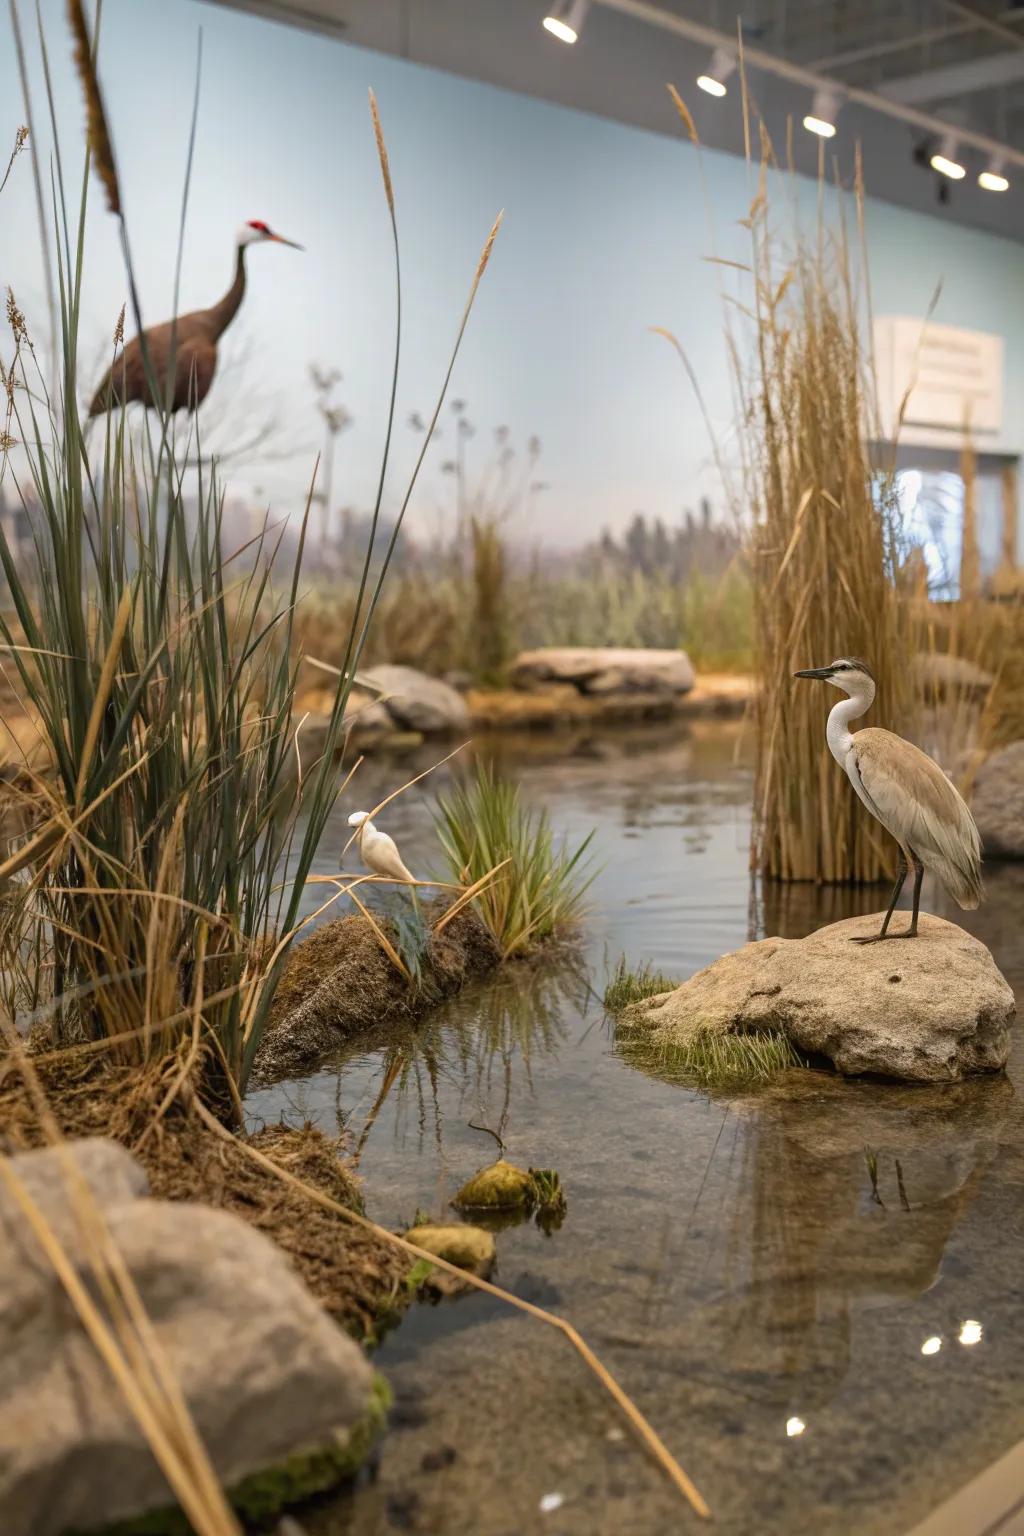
283	1401
500	1186
606	669
997	801
417	702
930	1009
940	674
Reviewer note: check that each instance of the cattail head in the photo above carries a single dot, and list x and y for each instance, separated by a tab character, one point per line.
97	132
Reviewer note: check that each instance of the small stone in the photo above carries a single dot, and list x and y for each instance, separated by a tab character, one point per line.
466	1247
550	1502
500	1186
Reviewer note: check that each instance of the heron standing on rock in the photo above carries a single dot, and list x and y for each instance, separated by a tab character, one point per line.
907	792
193	337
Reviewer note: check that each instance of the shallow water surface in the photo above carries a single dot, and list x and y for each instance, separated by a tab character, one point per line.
811	1291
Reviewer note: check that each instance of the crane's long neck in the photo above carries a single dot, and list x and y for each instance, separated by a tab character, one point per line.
222	314
837	732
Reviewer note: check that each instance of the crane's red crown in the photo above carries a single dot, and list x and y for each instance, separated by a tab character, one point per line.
264	229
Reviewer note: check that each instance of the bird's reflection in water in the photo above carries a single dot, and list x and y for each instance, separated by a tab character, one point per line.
840	1196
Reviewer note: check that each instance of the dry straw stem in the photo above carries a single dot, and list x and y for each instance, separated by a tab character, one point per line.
650	1439
97	132
824	549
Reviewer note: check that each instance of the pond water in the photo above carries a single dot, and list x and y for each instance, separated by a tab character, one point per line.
810	1291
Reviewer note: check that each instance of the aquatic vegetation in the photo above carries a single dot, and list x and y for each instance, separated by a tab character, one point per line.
626	985
482	823
711	1058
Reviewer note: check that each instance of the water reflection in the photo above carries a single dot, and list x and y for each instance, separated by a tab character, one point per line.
760	1273
843	1197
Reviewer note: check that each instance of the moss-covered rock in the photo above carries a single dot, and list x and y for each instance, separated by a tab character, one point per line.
264	1494
501	1186
466	1247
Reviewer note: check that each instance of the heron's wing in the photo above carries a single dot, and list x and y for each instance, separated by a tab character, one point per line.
382	855
915	800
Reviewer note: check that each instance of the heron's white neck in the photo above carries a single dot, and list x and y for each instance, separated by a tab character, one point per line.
837	732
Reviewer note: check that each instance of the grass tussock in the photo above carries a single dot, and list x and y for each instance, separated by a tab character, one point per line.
712	1059
628	985
482	823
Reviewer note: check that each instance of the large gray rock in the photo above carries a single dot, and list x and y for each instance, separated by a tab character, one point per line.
417	702
997	801
264	1371
606	669
930	1009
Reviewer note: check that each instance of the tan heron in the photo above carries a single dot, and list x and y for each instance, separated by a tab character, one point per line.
193	337
907	792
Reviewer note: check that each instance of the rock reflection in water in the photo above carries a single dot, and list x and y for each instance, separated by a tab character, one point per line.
844	1196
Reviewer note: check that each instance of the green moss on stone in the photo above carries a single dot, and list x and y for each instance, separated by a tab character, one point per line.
264	1494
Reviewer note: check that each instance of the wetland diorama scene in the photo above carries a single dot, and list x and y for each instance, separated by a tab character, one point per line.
511	769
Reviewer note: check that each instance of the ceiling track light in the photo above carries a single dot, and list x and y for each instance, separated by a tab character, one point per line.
944	158
565	19
822	117
722	65
992	178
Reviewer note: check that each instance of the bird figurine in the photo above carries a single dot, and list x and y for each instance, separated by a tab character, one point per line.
378	851
193	337
907	792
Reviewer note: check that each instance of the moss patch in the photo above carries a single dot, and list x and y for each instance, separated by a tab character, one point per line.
264	1494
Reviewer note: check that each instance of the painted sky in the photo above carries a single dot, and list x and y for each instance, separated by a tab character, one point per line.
607	232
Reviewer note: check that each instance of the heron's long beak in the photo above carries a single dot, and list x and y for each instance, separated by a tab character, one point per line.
293	243
821	672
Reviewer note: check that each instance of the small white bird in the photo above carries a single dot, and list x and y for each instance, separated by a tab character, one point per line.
378	851
907	792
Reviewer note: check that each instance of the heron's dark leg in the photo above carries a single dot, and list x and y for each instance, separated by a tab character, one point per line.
911	932
901	875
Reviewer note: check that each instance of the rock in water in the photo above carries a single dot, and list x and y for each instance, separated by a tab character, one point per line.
605	669
998	803
500	1186
930	1009
284	1402
466	1247
417	702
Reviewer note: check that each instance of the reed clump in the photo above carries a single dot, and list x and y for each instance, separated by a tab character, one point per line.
539	889
825	552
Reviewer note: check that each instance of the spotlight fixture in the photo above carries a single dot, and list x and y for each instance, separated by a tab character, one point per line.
565	19
992	178
944	159
822	117
720	68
